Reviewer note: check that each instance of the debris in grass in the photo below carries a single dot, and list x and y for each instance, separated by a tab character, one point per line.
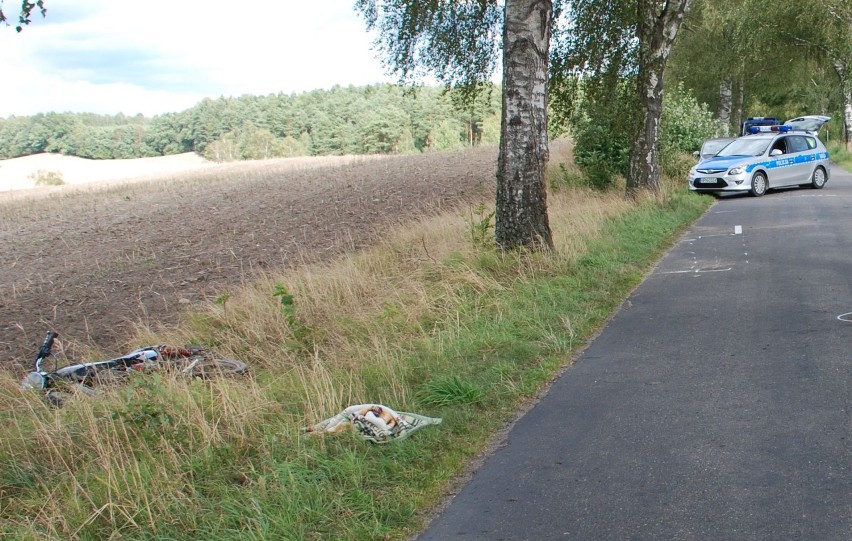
374	422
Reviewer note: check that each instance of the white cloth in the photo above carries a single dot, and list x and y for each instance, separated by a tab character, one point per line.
374	422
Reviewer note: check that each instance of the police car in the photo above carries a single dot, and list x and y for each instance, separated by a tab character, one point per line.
776	156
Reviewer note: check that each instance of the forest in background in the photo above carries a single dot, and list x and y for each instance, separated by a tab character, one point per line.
376	119
766	69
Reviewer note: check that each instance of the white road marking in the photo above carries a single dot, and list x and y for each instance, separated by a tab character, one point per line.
696	271
711	236
845	317
738	230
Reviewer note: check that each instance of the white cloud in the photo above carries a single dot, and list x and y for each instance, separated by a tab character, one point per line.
157	56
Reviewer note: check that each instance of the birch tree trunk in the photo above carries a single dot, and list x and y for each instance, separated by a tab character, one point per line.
656	30
846	88
725	100
740	105
521	209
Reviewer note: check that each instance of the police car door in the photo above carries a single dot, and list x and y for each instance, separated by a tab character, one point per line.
780	168
803	157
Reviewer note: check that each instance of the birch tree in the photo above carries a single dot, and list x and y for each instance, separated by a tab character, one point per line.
613	41
458	42
657	26
521	212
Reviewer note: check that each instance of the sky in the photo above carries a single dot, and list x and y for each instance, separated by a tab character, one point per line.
160	56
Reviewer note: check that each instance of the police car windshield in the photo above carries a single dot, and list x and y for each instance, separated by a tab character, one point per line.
746	146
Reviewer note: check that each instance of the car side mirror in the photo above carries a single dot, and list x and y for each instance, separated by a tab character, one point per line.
775	152
696	153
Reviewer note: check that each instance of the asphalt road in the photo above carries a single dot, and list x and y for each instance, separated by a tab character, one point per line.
714	405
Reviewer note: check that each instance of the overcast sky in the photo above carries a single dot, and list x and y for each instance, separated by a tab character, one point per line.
158	56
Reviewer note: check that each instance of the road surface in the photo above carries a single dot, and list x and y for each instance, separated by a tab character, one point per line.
714	405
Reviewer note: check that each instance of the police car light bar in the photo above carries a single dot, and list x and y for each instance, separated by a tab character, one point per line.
781	129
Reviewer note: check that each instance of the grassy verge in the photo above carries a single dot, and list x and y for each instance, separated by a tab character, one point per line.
840	156
432	322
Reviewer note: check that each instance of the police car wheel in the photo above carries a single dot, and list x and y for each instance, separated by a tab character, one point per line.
818	179
758	184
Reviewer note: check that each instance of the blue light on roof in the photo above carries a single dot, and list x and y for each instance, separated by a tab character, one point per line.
779	129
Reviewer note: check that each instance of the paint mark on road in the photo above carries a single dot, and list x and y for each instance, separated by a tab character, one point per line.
696	271
699	237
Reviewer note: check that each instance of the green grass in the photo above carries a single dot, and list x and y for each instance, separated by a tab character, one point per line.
840	156
461	333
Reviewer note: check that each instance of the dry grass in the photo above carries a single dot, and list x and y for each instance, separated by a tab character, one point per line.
97	460
401	282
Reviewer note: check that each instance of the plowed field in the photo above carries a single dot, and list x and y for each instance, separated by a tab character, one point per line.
87	260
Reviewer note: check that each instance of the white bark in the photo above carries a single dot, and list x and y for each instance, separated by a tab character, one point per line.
847	120
521	214
740	105
846	88
656	32
725	100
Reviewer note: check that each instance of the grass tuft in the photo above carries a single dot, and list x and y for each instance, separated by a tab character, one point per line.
450	391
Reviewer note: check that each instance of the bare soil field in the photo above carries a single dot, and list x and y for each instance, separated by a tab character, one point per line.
141	244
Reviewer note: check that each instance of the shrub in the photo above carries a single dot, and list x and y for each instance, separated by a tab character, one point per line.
601	150
603	136
480	227
602	129
686	123
675	163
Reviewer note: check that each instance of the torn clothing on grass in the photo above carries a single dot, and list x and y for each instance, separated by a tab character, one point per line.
374	422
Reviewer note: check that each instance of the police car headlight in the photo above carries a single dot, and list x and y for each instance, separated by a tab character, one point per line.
736	171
